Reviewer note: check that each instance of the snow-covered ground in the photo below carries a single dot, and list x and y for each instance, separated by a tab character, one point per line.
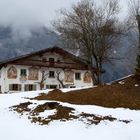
16	127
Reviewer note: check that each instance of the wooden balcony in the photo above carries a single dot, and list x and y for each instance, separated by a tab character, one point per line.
63	65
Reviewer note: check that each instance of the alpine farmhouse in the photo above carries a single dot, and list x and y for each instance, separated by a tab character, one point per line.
49	68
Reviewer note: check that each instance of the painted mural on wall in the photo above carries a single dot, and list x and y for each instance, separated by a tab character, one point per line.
23	78
33	73
69	76
12	73
87	77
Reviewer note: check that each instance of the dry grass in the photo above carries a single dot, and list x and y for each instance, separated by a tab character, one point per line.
125	95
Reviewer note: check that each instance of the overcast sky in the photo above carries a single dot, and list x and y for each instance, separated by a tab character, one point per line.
32	13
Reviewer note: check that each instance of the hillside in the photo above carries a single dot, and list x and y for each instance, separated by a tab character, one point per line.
125	93
23	43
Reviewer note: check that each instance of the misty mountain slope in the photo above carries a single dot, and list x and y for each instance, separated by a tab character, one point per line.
15	44
126	62
12	45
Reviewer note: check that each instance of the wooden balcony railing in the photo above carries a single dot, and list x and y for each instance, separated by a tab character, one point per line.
64	65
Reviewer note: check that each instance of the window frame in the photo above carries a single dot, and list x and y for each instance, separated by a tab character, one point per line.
51	75
30	87
23	72
51	86
51	61
78	76
15	87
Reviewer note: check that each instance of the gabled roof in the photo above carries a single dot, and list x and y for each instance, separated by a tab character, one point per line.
52	49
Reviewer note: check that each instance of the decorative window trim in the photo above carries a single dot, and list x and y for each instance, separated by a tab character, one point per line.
15	87
78	76
51	74
30	87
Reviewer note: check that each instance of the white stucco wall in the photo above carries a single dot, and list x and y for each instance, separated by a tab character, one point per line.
5	82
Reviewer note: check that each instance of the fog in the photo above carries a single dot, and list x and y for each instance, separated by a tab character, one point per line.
30	13
23	15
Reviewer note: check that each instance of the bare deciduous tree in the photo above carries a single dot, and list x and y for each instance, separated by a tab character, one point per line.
44	76
43	79
134	18
94	30
57	75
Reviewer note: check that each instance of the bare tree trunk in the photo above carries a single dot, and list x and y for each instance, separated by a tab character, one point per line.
94	29
43	78
60	81
138	21
93	77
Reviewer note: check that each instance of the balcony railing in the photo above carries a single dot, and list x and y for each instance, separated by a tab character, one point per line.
64	65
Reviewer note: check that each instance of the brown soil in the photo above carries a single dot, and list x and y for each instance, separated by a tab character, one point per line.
21	108
63	113
46	106
125	95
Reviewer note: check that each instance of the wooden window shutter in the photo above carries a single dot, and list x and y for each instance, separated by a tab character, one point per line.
26	87
34	87
19	87
10	87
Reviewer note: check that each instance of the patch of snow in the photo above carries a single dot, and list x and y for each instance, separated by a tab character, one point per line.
120	79
47	113
136	85
108	84
121	82
16	127
72	89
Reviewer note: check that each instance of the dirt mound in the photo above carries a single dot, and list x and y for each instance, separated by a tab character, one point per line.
46	106
54	94
63	113
21	108
124	94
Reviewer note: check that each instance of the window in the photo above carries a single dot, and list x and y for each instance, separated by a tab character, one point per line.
15	87
29	87
77	76
72	86
51	86
58	61
23	72
51	61
51	74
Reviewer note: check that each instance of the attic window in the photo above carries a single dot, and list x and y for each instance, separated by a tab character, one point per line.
51	61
